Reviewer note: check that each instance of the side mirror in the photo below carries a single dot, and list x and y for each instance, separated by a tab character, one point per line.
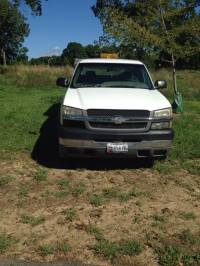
62	82
160	84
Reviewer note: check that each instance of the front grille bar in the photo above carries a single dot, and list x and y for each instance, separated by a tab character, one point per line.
104	119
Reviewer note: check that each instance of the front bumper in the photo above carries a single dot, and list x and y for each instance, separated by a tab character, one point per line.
83	142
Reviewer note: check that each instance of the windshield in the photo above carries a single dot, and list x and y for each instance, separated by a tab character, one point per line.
111	75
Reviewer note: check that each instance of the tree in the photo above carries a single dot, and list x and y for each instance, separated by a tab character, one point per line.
22	55
73	50
170	28
13	30
92	51
35	5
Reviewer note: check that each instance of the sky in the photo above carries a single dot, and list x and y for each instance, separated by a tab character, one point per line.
62	21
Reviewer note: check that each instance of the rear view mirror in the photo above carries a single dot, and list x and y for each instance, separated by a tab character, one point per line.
160	84
62	82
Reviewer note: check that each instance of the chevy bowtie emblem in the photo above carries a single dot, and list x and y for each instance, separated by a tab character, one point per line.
118	120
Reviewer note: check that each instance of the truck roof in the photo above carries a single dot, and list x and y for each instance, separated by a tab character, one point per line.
113	61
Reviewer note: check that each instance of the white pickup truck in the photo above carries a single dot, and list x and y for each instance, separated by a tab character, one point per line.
112	108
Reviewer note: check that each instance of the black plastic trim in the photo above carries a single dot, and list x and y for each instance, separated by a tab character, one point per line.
85	134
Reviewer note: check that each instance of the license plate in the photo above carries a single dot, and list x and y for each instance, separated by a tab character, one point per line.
117	148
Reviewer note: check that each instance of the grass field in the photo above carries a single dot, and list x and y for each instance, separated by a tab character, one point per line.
99	212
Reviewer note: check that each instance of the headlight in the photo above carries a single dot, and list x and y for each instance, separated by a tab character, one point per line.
161	125
70	111
163	113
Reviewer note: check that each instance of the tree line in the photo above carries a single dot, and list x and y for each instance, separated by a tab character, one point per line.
161	33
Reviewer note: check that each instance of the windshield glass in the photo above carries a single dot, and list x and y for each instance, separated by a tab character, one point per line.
111	75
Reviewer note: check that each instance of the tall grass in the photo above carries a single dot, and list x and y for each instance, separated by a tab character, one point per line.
188	82
34	76
44	76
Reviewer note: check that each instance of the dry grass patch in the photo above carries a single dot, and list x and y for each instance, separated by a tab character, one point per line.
99	216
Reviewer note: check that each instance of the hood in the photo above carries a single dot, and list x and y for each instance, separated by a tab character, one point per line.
115	98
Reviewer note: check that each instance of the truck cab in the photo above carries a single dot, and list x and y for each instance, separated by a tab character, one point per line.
112	108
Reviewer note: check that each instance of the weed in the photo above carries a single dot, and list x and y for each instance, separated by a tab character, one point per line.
164	168
29	219
63	183
97	200
95	231
169	255
130	247
46	250
5	180
122	196
188	238
40	175
79	189
172	255
23	192
5	242
108	249
111	250
64	248
192	166
70	214
158	218
47	193
62	193
188	215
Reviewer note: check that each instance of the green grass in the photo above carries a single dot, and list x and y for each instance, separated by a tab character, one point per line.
32	220
97	200
63	183
23	111
158	218
5	180
115	193
190	239
62	193
172	255
5	242
187	81
181	248
41	175
23	192
79	189
46	250
26	106
64	248
111	250
70	214
188	215
95	231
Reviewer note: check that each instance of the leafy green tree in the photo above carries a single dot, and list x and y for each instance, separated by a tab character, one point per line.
13	30
35	5
22	56
92	51
170	28
73	50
